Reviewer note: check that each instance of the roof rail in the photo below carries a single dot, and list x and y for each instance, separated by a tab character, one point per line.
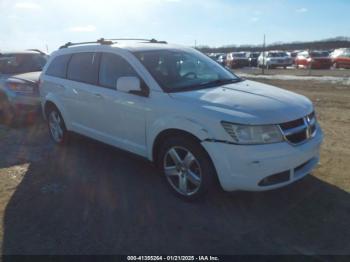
101	41
139	39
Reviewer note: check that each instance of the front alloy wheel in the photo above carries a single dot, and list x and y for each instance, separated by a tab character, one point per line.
187	167
182	171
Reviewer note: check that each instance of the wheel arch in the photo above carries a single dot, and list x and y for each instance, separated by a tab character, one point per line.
171	132
163	135
170	126
49	102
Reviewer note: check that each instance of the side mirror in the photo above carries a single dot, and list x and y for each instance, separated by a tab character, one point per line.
129	84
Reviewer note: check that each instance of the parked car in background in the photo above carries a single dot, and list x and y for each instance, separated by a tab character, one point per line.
222	59
273	59
293	55
197	121
19	76
313	59
342	59
253	59
237	59
339	51
212	55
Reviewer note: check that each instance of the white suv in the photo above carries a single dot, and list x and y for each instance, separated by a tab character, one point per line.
173	105
273	59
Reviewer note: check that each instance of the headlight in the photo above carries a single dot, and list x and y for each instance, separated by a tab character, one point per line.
249	134
20	88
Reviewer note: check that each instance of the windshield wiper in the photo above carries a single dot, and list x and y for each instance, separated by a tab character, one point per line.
219	82
209	84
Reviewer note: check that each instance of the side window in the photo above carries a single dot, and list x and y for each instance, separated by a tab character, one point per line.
58	66
83	67
112	67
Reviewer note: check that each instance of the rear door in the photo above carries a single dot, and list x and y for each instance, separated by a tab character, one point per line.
84	96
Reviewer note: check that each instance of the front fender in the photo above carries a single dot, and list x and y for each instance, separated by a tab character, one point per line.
175	122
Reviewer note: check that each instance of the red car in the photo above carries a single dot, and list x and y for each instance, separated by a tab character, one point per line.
342	61
313	59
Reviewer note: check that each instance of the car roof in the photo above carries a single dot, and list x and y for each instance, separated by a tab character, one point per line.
19	52
131	47
149	46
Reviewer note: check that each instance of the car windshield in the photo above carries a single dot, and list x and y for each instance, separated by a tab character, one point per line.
21	63
254	55
319	54
177	71
277	54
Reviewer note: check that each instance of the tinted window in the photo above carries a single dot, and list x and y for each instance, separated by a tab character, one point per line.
319	54
112	67
279	54
239	54
58	66
254	55
21	63
83	67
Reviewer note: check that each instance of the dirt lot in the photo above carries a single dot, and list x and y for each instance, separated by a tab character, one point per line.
89	198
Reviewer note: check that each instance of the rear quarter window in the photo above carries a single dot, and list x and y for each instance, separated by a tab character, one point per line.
58	66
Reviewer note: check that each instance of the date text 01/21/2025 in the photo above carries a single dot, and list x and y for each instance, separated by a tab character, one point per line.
172	258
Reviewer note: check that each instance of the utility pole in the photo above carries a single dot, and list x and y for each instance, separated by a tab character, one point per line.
195	44
264	47
47	48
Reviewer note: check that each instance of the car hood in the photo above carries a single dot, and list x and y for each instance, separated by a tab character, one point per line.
29	77
249	102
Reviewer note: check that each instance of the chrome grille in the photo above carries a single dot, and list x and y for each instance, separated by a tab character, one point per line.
299	130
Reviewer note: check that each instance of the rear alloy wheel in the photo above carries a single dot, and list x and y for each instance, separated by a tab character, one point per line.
187	167
56	126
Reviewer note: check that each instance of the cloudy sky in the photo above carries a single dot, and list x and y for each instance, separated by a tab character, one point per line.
37	23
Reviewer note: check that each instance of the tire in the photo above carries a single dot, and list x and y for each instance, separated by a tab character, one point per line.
57	127
186	166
